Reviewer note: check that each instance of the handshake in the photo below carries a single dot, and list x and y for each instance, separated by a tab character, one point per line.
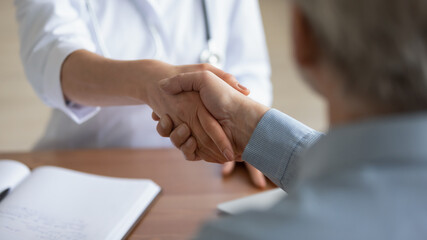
207	115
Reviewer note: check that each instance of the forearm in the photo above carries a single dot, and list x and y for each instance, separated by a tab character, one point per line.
92	80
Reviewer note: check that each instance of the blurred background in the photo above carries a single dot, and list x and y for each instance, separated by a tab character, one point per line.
23	116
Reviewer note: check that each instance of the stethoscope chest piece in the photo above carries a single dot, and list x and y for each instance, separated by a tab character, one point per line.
208	56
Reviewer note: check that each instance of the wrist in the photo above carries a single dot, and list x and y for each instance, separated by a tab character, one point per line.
248	115
144	78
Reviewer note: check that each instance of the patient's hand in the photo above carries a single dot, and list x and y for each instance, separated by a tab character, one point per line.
237	114
206	131
188	108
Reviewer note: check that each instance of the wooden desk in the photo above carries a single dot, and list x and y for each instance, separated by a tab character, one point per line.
191	190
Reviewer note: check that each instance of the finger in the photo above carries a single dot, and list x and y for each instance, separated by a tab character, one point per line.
216	133
193	81
206	148
155	117
165	126
257	177
189	149
186	82
228	78
180	135
228	168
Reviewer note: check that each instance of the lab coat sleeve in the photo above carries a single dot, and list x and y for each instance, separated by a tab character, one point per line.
49	31
246	56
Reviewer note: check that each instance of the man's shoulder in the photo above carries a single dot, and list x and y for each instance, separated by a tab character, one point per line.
346	209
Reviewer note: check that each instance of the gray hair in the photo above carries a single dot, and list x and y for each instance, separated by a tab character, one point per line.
379	46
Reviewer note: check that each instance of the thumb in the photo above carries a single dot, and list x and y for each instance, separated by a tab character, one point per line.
196	81
226	77
186	82
232	81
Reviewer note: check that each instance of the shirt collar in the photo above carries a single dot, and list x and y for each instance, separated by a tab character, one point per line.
391	140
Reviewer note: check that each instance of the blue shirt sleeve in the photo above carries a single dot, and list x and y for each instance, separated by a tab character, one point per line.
276	144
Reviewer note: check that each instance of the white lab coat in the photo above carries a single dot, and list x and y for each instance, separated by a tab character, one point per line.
52	29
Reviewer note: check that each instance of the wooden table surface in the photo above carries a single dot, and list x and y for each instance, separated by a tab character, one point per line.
191	190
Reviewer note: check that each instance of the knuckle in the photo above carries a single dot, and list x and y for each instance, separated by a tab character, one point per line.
177	139
161	131
190	146
204	66
174	142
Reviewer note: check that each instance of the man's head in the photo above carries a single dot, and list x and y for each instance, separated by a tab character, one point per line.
378	48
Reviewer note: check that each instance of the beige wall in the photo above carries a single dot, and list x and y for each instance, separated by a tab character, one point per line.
23	116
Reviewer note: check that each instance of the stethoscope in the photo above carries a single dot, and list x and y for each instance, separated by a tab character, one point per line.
208	55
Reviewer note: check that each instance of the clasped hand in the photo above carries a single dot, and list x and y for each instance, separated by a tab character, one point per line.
217	121
188	108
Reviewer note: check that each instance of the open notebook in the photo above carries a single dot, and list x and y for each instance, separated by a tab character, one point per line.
56	203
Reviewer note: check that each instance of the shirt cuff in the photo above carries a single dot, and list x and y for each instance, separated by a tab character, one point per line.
52	83
276	143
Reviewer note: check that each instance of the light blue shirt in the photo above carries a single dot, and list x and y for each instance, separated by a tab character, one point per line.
360	181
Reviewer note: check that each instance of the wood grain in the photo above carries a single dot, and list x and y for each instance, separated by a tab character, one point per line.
191	190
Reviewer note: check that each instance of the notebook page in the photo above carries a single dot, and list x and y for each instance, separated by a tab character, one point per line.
12	173
55	203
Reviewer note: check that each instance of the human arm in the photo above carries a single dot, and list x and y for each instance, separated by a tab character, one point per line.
59	58
89	79
266	138
49	31
92	80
